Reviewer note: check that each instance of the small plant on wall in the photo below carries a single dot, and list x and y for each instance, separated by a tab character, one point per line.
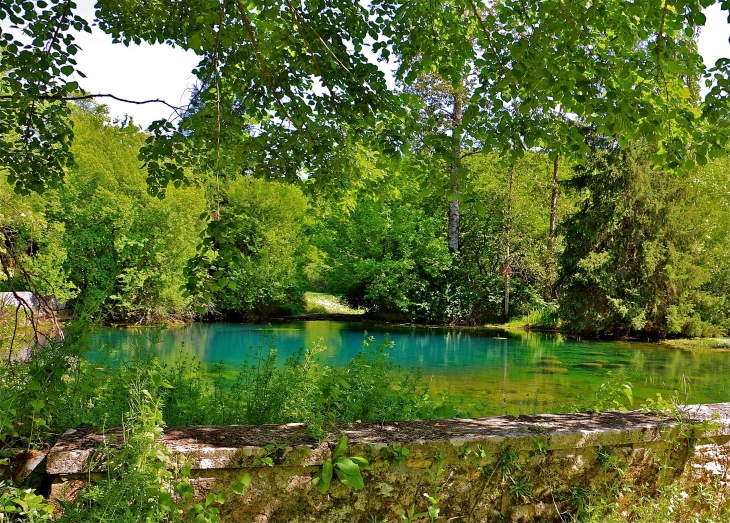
347	469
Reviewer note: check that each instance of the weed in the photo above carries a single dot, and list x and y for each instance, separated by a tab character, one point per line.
347	469
433	510
411	516
438	469
521	489
396	454
22	504
542	448
613	394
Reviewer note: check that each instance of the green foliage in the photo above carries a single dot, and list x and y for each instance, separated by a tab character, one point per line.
347	469
263	392
363	389
388	254
346	138
411	516
23	504
141	482
508	207
268	118
56	390
689	499
32	247
635	256
31	393
612	394
259	247
395	453
126	249
433	510
101	241
35	70
546	316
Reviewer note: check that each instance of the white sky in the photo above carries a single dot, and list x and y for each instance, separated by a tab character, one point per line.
137	72
143	72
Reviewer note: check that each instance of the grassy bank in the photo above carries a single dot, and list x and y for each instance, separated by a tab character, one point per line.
322	303
698	343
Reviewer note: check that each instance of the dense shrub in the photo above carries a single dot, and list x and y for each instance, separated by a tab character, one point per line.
389	253
265	222
100	241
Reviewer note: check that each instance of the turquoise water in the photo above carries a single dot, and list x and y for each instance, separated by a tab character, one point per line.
492	369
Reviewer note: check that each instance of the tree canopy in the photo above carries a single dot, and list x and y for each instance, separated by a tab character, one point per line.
290	89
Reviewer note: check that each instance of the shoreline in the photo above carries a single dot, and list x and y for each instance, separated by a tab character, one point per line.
514	326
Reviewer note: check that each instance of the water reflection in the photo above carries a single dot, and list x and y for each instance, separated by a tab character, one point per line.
516	372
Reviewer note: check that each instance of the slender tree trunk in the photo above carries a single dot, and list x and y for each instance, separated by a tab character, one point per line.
553	221
508	269
506	287
554	205
454	205
553	229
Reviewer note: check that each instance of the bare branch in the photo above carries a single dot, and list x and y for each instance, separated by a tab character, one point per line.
178	110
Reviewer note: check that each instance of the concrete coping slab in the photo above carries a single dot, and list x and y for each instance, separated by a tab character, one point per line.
237	446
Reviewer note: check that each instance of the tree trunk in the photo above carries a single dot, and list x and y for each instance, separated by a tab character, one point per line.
554	206
553	221
553	229
508	269
506	287
454	205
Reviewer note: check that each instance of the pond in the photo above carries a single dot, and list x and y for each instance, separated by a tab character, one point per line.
493	371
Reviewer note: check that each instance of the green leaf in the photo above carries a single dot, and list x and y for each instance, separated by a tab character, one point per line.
242	481
362	462
194	41
327	471
340	447
320	482
349	473
347	466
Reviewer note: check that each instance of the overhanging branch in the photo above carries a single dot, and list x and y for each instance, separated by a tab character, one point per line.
178	110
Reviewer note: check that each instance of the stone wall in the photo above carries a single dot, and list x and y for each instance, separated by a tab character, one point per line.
531	468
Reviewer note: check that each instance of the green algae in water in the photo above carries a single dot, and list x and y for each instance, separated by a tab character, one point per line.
552	370
550	361
590	365
497	375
